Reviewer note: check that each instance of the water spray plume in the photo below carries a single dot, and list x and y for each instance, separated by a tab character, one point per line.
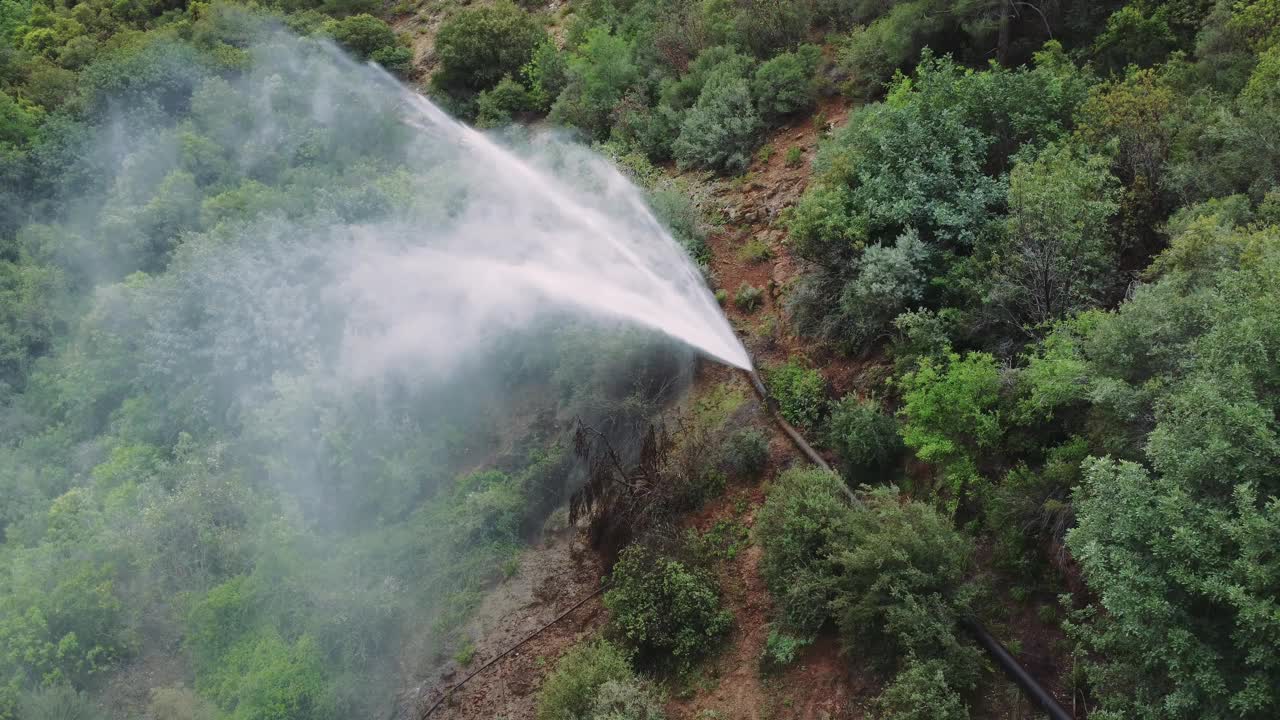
561	230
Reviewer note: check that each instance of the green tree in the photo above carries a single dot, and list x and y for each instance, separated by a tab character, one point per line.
598	75
786	84
950	415
479	46
1055	254
721	130
666	607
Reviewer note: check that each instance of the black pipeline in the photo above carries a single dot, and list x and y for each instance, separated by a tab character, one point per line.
1033	690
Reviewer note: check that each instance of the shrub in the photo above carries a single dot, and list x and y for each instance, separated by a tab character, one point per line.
748	297
801	393
888	280
59	702
795	155
665	607
802	513
746	452
865	439
781	649
950	414
479	46
785	84
763	26
888	571
570	691
921	692
496	107
679	215
362	34
720	130
395	58
626	700
651	130
722	296
599	73
900	566
545	74
755	251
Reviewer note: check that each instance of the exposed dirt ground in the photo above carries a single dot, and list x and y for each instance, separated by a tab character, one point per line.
551	578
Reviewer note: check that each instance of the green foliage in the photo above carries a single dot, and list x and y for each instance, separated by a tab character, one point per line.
745	453
479	46
901	566
671	205
58	702
864	438
545	74
362	34
803	513
921	692
794	156
1160	657
720	131
1133	37
599	72
889	572
748	297
801	393
786	83
781	649
668	608
950	415
268	678
1054	258
498	105
570	691
755	251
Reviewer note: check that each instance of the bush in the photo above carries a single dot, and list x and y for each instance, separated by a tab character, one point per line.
59	702
599	73
395	58
479	46
900	565
865	439
665	607
626	700
755	251
763	26
785	84
748	298
679	215
804	510
496	107
545	74
801	393
921	692
950	414
887	570
569	693
362	34
719	132
794	157
746	452
781	649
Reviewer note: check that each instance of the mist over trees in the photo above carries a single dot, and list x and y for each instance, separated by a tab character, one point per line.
1051	230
